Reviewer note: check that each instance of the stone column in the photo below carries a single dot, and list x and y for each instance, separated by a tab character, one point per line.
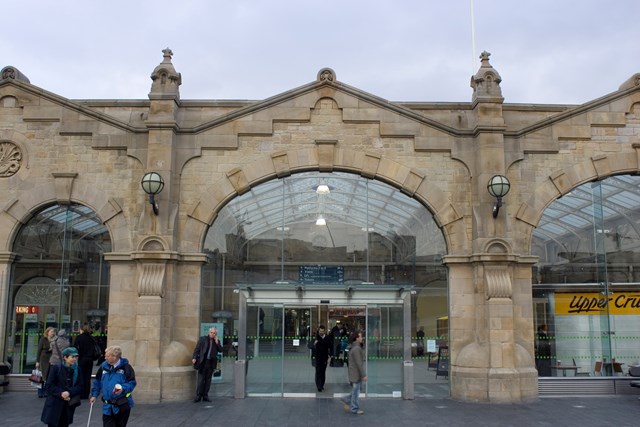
490	360
6	259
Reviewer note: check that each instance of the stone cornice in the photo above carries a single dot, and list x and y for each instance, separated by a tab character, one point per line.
8	257
249	107
489	258
577	110
74	106
154	256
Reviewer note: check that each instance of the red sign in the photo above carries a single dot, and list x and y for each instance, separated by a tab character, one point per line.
26	309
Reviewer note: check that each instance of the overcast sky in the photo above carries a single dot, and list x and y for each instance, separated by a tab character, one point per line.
547	51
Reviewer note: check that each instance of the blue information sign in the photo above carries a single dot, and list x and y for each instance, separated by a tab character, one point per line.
314	274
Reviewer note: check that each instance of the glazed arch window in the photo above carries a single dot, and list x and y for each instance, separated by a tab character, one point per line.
59	278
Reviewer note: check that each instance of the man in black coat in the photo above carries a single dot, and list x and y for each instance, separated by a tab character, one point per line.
87	355
205	359
323	344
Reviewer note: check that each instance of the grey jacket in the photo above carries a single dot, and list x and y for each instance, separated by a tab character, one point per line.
356	363
58	344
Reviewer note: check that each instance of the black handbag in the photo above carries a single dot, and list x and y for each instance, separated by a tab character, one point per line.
75	401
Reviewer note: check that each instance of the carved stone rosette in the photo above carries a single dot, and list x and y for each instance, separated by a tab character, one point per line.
10	159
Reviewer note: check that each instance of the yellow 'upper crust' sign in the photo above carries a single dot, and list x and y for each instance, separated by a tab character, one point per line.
596	303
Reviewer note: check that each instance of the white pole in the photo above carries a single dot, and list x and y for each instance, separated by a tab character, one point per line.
90	410
473	40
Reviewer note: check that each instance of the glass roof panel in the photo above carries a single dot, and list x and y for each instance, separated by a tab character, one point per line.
352	199
573	214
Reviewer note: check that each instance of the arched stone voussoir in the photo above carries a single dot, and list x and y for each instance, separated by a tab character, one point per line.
240	180
18	211
563	181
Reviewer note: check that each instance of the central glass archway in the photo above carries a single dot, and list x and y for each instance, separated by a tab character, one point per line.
315	228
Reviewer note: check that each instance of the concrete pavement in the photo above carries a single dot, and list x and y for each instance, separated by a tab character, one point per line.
24	408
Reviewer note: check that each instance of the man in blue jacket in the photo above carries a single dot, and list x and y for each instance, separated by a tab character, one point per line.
116	380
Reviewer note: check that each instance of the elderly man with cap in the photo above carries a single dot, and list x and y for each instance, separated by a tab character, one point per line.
64	385
115	380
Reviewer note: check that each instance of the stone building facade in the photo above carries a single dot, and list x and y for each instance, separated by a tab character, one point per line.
94	153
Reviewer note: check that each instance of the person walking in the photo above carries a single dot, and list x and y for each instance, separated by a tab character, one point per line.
86	346
115	380
43	356
63	384
357	373
205	360
322	344
58	344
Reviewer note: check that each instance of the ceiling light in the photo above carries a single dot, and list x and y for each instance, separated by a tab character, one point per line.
323	189
321	220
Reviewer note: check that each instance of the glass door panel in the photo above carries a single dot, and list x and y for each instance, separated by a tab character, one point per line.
264	350
384	349
342	321
300	324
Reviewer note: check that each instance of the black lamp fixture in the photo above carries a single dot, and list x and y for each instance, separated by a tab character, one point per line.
498	187
152	184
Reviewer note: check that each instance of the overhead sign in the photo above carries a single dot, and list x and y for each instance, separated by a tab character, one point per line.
26	309
619	303
312	274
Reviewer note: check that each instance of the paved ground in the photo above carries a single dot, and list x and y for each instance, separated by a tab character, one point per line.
23	409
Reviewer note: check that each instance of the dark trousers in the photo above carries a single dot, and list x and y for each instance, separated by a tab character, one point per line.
116	420
86	368
204	377
321	370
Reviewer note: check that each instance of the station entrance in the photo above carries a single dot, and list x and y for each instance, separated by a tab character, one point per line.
282	320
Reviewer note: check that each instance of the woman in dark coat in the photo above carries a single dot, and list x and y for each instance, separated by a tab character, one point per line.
44	353
63	383
86	349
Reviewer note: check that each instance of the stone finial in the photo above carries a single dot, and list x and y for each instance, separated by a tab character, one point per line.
486	82
327	75
165	79
13	73
633	81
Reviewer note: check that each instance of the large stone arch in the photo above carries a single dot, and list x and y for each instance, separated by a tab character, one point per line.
563	181
325	156
64	189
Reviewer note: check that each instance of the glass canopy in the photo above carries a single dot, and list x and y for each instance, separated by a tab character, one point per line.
371	206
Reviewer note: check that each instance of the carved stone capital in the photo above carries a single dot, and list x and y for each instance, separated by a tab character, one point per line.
151	279
498	282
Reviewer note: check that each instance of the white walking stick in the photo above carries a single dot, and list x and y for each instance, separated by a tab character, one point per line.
90	410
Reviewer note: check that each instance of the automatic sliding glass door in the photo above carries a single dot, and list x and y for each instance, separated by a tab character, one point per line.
300	323
264	350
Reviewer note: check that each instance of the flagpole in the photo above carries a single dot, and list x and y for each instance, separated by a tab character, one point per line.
473	39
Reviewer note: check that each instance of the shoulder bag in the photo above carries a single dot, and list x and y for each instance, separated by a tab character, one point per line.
121	402
97	350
